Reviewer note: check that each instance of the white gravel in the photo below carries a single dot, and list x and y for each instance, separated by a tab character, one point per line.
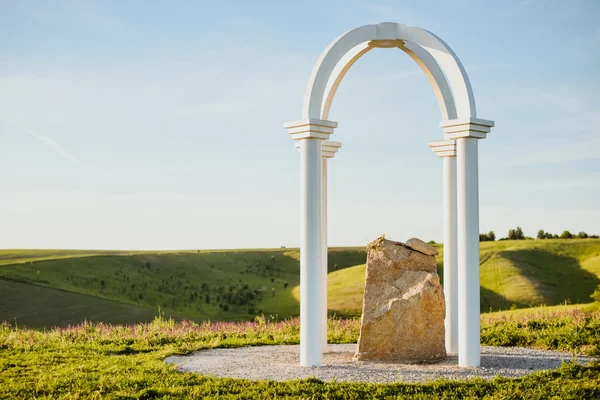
281	363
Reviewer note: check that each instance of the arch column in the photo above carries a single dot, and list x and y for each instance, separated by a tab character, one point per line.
329	149
446	149
310	133
466	132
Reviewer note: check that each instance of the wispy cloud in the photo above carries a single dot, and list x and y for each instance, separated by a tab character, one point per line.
48	141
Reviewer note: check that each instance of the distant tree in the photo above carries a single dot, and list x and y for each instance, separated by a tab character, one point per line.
516	234
207	299
548	235
555	236
582	235
566	235
594	236
541	234
431	242
487	237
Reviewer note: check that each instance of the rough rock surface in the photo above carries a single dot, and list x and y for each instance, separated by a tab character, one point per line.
403	306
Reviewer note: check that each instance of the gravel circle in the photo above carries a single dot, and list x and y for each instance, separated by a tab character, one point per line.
281	363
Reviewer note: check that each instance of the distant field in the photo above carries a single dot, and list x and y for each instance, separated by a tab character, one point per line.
240	284
24	256
38	306
200	285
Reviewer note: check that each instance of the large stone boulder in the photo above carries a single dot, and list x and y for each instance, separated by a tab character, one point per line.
403	306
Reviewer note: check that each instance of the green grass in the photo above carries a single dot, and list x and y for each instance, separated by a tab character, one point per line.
126	362
513	274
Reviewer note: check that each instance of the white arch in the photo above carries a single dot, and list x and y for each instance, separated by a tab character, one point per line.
440	64
462	130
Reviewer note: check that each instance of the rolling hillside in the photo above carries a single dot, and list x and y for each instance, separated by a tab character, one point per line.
38	290
45	287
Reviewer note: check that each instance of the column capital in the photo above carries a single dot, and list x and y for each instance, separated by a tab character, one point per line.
443	148
466	128
328	148
310	129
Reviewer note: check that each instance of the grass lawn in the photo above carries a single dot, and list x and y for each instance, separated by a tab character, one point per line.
125	362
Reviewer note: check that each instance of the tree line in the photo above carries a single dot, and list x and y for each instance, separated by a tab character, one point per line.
517	234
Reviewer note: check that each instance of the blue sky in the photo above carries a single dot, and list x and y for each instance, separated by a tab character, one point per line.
158	125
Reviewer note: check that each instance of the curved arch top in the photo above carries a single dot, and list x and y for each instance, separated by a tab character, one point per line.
436	59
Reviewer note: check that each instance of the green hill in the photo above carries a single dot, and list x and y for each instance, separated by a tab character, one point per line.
520	274
120	287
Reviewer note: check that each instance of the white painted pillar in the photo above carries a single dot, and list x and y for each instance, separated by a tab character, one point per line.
310	253
450	255
310	133
467	133
329	149
446	149
468	253
324	253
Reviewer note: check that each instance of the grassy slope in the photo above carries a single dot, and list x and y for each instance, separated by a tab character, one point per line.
521	273
24	256
32	305
177	282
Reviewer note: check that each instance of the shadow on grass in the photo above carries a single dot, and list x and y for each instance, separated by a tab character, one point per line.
558	278
492	301
341	259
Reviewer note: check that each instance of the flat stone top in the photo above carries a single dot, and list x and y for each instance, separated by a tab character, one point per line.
281	363
422	247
